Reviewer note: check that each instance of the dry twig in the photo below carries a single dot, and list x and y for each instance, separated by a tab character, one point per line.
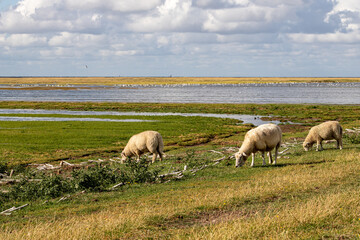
8	212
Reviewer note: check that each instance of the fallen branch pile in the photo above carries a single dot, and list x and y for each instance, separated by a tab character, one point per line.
180	173
354	130
65	166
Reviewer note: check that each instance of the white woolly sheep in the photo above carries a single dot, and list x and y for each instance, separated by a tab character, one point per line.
148	141
264	138
324	131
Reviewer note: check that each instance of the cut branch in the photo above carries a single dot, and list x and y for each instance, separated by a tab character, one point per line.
10	210
117	185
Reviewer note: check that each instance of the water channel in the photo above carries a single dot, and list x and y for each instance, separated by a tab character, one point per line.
256	120
317	93
293	93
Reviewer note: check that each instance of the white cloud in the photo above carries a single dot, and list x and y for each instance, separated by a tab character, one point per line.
219	4
76	40
199	32
22	40
348	11
338	37
113	5
97	16
107	53
172	15
246	19
29	7
346	5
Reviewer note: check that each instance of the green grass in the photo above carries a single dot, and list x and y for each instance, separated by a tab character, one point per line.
307	195
26	142
294	112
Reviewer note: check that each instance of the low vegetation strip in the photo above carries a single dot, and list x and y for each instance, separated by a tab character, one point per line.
162	80
292	112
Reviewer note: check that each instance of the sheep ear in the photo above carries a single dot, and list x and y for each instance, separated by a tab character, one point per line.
244	154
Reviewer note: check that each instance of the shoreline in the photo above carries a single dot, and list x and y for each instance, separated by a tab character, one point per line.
109	81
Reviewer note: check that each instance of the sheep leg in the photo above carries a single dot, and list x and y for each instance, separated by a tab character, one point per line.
154	157
270	157
319	143
160	156
138	154
263	158
276	153
339	144
253	159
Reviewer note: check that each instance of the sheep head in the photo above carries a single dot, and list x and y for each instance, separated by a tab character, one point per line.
307	146
240	159
123	156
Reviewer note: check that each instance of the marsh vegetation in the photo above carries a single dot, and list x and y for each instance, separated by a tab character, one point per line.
307	195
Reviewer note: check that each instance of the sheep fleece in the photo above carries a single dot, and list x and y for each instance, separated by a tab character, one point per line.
324	131
148	141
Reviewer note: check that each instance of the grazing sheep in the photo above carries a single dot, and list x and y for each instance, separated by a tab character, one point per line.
324	131
148	141
264	138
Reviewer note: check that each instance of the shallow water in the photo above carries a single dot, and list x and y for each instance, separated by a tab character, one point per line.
253	119
60	119
321	93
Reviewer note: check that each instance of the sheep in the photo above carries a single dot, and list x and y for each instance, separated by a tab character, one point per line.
263	138
148	141
324	131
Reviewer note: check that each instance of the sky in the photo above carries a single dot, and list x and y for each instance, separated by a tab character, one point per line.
208	38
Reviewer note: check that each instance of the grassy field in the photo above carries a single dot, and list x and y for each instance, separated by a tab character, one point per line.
163	80
308	195
30	142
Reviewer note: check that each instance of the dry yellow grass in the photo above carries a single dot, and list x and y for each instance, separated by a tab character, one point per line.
165	80
298	217
287	203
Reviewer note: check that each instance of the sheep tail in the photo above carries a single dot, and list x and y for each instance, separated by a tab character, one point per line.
341	131
160	146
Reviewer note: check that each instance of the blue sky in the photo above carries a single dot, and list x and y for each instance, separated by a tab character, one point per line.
244	38
5	4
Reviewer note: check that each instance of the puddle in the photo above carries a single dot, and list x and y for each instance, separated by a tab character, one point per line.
252	119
